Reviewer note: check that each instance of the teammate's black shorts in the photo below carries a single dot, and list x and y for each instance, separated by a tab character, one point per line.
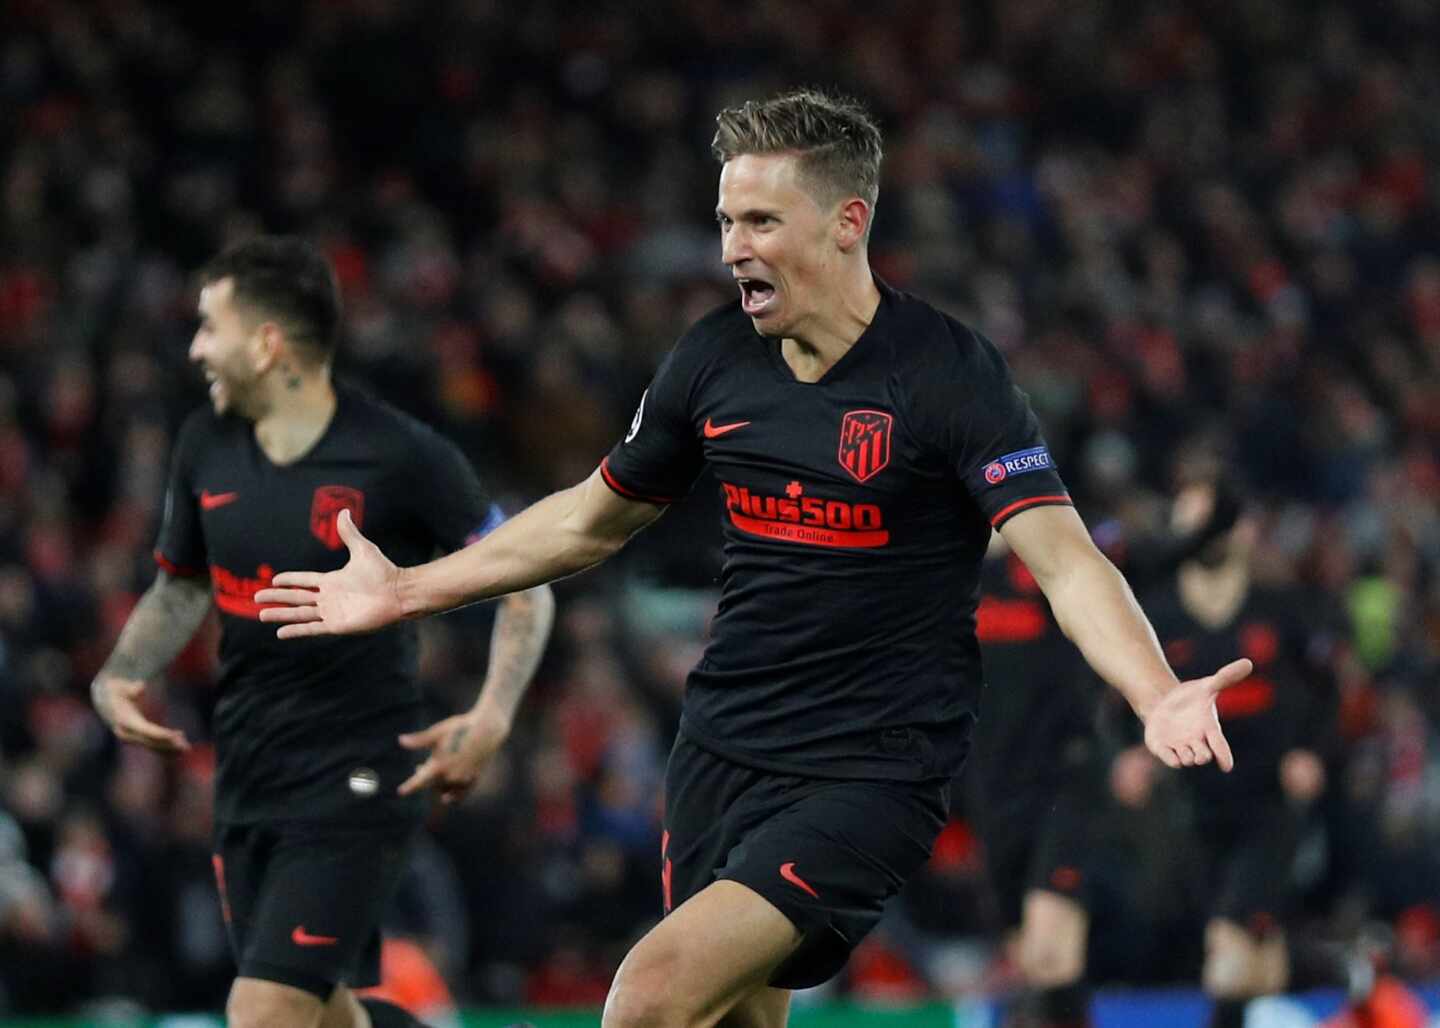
827	853
1039	837
303	900
1250	856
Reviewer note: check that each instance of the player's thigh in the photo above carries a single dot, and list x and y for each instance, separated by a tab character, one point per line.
316	922
1008	841
1240	964
258	1003
343	1010
827	854
830	862
697	964
1064	843
1256	888
1055	919
239	857
1051	943
710	803
761	1008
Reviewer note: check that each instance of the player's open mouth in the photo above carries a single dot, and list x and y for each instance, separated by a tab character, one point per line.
756	296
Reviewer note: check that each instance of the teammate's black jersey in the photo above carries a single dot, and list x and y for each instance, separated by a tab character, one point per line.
1278	708
857	510
295	718
1038	710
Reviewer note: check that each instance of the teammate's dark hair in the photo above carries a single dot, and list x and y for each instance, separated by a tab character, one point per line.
837	141
285	279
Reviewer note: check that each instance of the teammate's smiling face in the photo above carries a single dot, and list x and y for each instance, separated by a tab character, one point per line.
778	240
229	350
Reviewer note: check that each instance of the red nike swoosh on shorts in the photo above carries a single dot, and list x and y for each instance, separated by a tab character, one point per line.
787	872
209	500
712	431
301	937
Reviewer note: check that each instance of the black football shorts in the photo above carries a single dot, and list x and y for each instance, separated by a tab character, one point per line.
1038	838
303	901
827	853
1251	856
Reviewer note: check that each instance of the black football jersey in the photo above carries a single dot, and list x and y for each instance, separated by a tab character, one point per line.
295	719
856	513
1280	707
1040	696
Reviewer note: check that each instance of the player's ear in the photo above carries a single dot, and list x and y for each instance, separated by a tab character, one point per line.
853	218
267	345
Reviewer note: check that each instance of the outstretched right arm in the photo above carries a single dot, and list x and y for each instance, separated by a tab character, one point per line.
157	630
566	532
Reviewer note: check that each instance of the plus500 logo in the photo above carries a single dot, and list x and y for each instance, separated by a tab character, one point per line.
810	520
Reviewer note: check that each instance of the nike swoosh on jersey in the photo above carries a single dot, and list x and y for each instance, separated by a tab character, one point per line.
787	872
301	937
209	500
715	431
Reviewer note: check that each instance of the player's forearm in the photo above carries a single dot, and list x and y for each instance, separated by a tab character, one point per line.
522	628
544	542
1098	613
158	628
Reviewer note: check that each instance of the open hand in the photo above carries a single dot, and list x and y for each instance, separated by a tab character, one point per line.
117	701
1183	728
360	597
460	747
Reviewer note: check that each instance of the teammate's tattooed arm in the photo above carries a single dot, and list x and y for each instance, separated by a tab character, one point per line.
462	745
159	627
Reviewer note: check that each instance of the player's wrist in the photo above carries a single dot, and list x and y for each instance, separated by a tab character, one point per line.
492	714
1145	701
408	601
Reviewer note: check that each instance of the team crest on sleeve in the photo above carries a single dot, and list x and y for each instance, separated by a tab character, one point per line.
326	506
865	442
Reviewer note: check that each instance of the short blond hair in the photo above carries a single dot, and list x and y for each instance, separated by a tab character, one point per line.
836	140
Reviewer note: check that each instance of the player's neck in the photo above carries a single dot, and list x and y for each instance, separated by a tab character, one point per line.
299	412
1214	596
840	321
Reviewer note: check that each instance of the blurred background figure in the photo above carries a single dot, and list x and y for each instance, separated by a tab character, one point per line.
1248	825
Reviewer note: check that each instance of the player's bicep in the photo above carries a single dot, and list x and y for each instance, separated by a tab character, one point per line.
185	598
1052	541
601	511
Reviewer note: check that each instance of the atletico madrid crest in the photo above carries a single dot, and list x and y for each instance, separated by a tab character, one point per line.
865	442
329	501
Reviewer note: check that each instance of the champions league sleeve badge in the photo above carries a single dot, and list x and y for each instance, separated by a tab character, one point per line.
1021	462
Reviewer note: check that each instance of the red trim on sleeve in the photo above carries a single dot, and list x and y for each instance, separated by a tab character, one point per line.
1060	499
179	570
629	494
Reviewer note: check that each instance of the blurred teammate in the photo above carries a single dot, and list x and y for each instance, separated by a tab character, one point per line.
1248	824
1034	786
318	796
865	445
1037	781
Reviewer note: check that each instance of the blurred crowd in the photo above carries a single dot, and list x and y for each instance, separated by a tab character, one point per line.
1211	223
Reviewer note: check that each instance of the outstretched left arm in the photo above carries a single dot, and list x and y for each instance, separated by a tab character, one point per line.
461	746
1097	611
